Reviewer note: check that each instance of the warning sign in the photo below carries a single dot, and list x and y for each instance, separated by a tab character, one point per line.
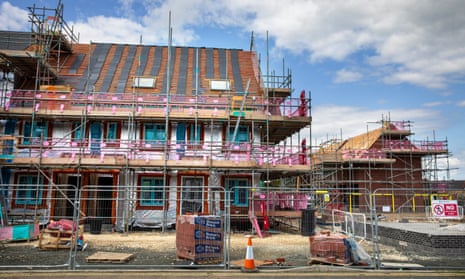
445	208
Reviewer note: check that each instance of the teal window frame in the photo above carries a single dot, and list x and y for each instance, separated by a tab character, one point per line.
40	129
154	133
77	131
195	138
152	191
241	136
29	192
112	132
239	196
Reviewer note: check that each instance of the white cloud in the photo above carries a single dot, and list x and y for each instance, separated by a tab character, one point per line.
13	18
416	77
343	76
129	31
457	166
461	103
345	121
434	104
419	41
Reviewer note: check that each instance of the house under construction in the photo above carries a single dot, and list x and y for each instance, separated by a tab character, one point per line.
382	168
139	134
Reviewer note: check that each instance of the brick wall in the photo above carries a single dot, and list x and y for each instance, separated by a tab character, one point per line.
424	244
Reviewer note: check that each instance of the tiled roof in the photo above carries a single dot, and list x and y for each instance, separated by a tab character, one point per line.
104	67
15	40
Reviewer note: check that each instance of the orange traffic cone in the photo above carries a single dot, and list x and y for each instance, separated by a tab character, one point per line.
249	263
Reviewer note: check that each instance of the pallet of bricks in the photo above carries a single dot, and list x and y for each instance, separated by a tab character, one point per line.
329	248
199	238
59	235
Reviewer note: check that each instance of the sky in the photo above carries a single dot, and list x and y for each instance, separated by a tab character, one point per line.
363	61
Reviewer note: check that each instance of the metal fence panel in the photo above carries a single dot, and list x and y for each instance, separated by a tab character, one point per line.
149	225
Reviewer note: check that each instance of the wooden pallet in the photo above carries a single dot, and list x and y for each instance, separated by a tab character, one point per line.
109	257
56	239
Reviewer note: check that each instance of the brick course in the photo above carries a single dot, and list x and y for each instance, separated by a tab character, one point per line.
425	244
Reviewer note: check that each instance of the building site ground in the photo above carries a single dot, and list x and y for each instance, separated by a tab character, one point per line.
156	249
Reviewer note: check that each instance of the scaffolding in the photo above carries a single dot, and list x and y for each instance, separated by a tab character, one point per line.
60	140
167	129
53	41
415	171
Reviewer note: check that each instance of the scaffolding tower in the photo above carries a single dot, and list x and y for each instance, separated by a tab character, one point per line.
384	164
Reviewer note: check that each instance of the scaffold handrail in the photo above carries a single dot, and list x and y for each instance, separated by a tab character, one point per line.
118	102
140	149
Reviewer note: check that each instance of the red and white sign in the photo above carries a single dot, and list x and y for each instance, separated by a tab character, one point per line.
445	208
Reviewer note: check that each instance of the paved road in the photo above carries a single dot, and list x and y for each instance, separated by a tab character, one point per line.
124	274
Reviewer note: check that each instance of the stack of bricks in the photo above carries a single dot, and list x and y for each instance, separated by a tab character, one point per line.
328	246
199	238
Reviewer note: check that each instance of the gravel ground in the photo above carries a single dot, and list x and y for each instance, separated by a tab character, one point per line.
154	248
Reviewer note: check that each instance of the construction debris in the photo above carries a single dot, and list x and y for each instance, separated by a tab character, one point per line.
338	249
59	235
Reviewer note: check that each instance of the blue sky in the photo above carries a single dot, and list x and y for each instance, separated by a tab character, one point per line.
362	60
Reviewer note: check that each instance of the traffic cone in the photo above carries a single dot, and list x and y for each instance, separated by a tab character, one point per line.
249	263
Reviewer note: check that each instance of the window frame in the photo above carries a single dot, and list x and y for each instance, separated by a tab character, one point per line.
80	140
112	142
32	140
243	134
220	85
153	192
31	200
190	134
153	142
192	193
144	82
235	195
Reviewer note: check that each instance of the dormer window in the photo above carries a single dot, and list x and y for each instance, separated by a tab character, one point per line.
144	82
220	84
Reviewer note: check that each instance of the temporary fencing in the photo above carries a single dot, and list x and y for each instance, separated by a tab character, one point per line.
154	226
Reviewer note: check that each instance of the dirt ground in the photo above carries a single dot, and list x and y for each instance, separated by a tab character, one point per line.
159	249
155	248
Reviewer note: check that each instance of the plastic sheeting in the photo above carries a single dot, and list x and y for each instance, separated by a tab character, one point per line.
154	218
